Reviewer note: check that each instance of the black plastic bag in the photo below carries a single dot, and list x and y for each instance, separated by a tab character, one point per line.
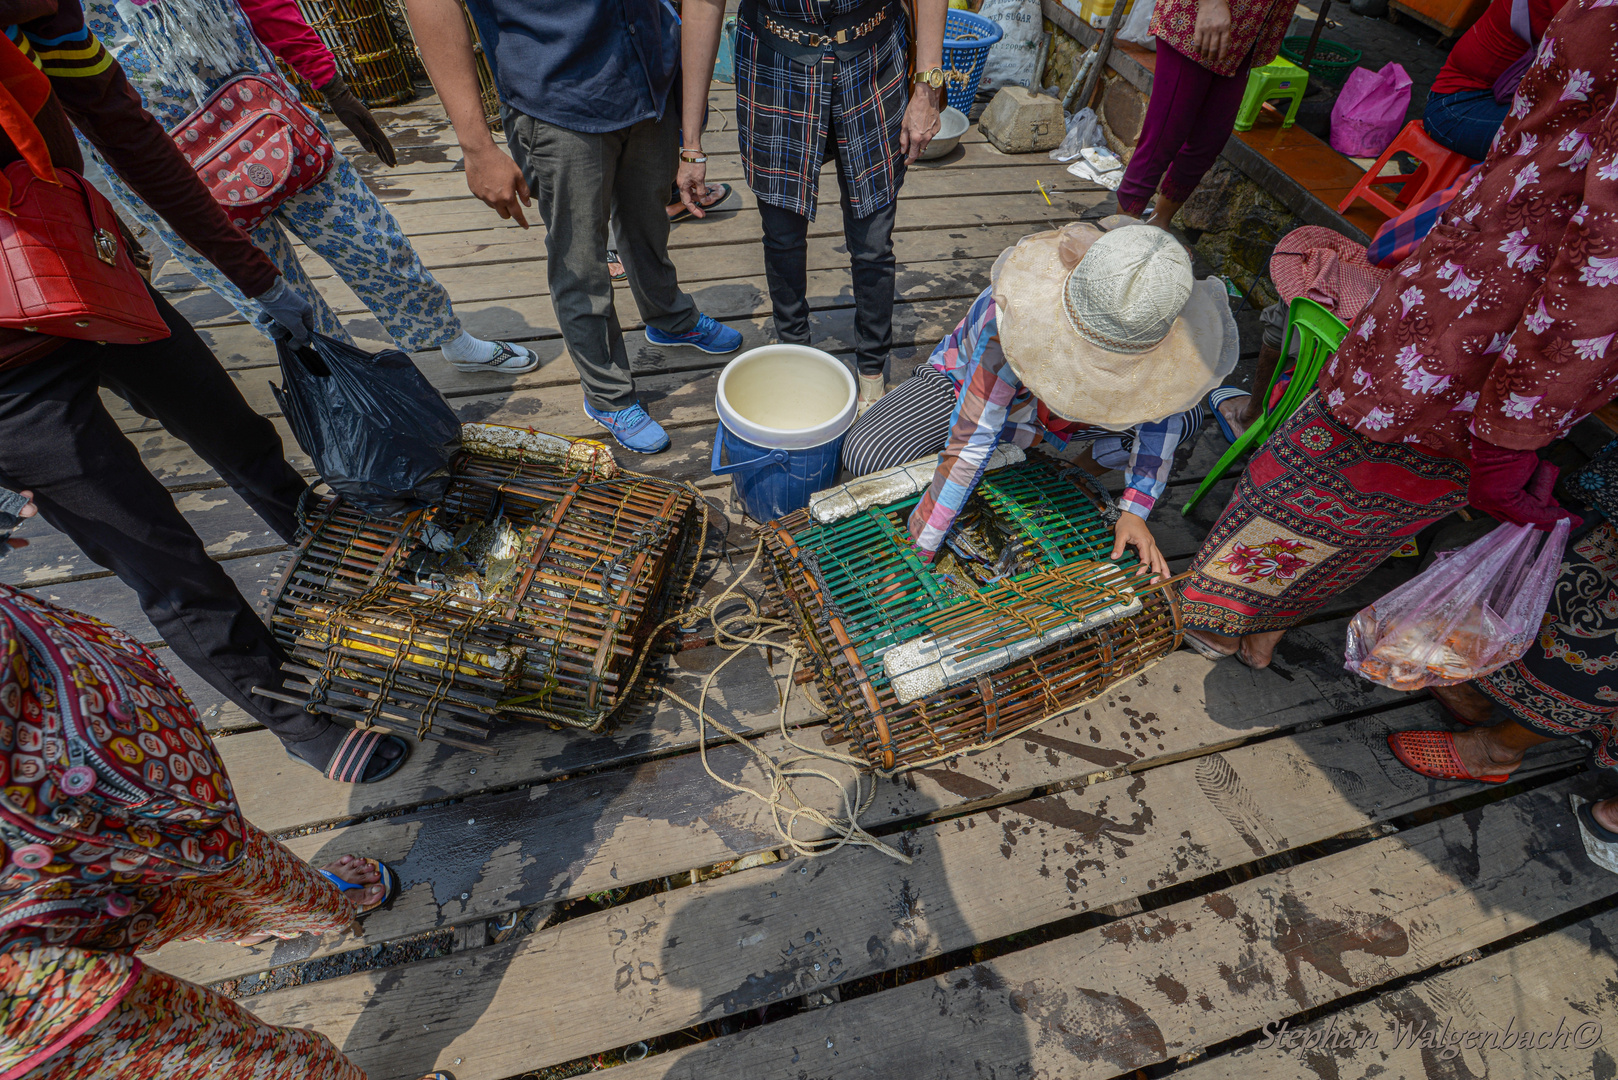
379	433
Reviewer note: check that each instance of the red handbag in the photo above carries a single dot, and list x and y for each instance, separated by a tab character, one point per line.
253	147
67	270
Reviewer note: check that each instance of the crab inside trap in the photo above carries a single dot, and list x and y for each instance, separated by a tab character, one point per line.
1022	616
533	590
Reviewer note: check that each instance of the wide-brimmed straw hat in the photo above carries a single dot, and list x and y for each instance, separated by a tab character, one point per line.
1328	268
1112	329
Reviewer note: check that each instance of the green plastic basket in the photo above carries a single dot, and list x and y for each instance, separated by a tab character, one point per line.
1333	60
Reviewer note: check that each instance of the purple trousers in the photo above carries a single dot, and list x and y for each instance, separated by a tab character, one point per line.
1188	121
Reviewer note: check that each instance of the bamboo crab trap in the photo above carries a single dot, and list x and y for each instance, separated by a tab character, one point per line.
533	590
1022	617
361	37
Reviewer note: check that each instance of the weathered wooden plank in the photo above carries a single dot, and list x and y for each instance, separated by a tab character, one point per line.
227	526
633	824
931	304
1146	989
735	944
720	293
1482	1019
975	163
111	601
694	242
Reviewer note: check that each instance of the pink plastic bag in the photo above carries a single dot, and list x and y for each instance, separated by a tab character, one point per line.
1370	110
1464	616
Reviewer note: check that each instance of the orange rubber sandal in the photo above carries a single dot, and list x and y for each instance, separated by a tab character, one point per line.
1432	754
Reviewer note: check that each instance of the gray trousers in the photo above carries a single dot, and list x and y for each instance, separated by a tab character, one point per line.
581	181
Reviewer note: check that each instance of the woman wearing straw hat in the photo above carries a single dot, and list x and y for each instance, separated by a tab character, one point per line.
1106	339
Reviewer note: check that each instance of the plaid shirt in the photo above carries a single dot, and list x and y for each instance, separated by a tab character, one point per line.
993	407
785	110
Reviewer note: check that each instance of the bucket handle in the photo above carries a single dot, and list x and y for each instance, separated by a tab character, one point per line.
777	457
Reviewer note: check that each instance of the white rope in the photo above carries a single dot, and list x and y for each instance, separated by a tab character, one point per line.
735	634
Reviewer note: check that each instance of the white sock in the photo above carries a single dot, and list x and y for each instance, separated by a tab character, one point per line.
467	349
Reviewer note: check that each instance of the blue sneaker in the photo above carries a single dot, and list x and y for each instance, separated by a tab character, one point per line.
633	429
707	335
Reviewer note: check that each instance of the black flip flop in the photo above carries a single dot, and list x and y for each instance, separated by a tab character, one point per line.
685	212
354	753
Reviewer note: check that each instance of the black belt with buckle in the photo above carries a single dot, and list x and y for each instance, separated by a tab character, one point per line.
808	44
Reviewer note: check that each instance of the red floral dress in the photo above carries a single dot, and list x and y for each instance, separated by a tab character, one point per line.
1502	321
1256	30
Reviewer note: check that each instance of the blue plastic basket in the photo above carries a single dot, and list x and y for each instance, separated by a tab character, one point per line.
967	38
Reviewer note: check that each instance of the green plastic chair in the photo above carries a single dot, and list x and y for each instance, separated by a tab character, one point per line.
1319	334
1279	79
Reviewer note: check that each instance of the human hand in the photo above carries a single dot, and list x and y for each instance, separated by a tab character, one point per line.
1514	486
358	119
920	123
494	178
15	507
1131	531
692	181
1212	31
286	315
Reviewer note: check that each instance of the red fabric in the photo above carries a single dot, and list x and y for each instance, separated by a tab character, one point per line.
23	91
108	112
67	268
1486	50
1502	323
281	27
1514	486
1328	268
1256	30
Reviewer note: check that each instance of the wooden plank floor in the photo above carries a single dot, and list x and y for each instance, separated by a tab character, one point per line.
1152	881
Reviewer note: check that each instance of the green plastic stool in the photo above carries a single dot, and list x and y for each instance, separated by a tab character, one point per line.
1319	334
1280	78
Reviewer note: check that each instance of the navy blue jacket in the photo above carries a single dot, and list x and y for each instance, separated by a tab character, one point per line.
585	65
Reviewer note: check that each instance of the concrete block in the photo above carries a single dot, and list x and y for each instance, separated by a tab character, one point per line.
1019	121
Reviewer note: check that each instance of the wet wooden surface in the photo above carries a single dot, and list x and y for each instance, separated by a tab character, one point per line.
1149	879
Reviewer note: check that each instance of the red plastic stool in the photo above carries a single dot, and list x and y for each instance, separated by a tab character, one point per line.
1437	170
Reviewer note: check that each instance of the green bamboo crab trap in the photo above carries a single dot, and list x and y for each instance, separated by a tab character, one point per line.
1022	617
532	591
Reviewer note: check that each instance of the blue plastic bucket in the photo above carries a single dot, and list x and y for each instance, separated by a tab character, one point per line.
783	413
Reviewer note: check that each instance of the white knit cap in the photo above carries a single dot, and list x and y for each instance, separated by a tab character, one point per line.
1153	342
1128	289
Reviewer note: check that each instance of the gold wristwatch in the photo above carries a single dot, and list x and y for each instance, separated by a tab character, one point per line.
933	77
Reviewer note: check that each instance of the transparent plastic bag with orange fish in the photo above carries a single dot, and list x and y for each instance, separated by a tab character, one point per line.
1466	615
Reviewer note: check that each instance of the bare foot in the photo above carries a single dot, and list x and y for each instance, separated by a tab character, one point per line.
1232	409
354	870
1483	755
1257	650
1466	701
1219	643
1606	813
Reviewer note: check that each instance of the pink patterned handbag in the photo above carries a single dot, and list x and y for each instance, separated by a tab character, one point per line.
253	147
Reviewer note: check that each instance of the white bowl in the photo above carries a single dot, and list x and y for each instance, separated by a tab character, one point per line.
952	124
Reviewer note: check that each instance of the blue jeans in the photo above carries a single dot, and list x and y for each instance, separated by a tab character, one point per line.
1464	121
